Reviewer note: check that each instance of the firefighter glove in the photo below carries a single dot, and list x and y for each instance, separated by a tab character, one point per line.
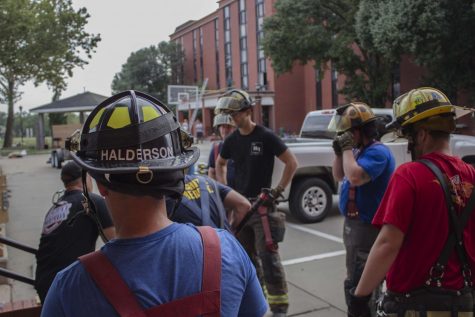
346	141
276	192
358	306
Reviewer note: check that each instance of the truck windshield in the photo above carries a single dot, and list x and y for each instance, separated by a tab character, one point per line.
317	127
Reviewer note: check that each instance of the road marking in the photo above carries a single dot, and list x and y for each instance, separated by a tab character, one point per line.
315	232
313	257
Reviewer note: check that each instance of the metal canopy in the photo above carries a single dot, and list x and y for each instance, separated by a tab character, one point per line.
86	101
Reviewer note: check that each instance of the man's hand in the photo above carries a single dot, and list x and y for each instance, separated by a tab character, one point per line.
276	192
336	147
346	141
358	306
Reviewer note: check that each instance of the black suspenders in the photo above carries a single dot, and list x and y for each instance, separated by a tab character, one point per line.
455	238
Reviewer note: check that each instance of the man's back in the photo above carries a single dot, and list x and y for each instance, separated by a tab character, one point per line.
170	263
418	209
67	234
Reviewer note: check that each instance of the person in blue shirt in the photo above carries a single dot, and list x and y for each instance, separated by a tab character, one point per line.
132	146
364	166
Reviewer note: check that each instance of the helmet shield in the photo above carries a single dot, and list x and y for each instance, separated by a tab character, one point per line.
222	119
352	115
233	101
132	132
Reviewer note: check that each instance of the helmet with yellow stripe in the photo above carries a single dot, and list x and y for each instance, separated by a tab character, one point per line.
425	106
133	143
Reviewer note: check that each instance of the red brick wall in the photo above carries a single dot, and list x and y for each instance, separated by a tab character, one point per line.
290	103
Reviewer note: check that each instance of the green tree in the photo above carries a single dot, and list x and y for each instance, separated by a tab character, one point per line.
438	34
151	70
40	40
324	31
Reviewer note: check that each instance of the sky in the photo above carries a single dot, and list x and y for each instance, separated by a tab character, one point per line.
125	26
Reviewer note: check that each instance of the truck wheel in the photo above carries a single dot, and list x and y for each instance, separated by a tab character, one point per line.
311	200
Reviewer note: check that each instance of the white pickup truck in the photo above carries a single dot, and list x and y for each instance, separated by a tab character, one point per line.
310	193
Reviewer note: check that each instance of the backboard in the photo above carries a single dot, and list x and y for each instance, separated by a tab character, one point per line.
178	94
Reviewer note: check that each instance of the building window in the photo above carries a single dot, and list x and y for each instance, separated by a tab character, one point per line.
227	47
396	81
195	71
334	73
318	89
261	61
216	46
243	44
201	55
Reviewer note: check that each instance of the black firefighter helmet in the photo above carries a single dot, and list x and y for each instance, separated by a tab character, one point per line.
132	143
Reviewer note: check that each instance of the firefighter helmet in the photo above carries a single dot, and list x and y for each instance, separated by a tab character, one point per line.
352	115
427	106
131	142
221	119
234	100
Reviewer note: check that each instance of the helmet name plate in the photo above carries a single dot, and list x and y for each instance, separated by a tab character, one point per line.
136	154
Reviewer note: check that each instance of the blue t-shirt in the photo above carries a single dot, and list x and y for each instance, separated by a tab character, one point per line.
378	162
160	268
191	205
230	166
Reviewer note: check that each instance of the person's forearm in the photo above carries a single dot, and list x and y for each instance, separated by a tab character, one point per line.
287	174
238	204
382	255
353	172
212	172
337	170
221	173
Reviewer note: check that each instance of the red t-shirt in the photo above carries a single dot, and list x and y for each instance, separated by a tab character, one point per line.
414	202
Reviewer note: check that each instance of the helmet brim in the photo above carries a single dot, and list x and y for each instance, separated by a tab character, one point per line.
182	161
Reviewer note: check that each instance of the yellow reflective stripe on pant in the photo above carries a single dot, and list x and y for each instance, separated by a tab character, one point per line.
278	299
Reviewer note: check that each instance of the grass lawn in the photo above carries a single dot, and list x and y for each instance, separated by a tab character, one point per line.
29	144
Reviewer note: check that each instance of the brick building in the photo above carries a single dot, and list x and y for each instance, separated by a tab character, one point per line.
223	47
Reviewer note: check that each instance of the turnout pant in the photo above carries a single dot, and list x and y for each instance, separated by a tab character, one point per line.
268	265
358	238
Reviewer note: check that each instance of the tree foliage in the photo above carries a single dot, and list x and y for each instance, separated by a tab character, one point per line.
364	39
151	70
40	40
321	31
438	34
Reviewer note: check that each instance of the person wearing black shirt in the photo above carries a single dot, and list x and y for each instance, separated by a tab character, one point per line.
67	231
252	148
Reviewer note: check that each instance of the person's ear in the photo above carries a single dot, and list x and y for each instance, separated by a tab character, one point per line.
102	189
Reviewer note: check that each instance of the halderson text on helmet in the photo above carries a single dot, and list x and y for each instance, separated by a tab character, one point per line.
136	154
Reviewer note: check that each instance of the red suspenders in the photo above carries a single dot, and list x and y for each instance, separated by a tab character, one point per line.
206	303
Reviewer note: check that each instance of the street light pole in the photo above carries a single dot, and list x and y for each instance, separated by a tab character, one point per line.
21	125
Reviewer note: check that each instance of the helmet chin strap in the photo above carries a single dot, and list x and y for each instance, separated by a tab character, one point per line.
411	144
90	208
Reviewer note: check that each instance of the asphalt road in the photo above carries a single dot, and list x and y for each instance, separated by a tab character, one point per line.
312	254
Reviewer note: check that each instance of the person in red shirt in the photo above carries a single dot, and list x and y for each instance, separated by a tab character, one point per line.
414	220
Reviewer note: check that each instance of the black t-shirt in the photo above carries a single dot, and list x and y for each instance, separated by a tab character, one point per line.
66	235
253	157
191	208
